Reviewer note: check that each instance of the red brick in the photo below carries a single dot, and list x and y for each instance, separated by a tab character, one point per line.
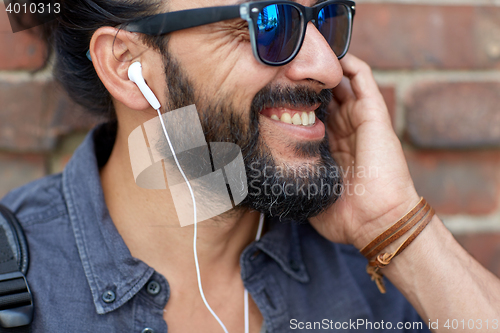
454	115
21	50
395	36
34	114
4	19
457	182
389	94
485	248
17	170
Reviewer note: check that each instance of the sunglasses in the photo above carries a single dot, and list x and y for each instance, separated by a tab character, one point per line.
277	28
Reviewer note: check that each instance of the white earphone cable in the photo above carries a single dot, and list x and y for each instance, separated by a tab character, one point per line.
198	275
195	224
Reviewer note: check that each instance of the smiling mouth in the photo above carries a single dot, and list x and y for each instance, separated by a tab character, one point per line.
290	115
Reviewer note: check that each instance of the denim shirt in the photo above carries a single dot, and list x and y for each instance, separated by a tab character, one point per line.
84	278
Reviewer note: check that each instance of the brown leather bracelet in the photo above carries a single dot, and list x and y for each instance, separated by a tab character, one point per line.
407	227
392	229
384	259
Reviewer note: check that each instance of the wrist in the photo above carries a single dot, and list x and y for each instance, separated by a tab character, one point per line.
373	228
434	236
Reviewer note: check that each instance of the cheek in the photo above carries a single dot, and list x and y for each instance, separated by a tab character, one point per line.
222	64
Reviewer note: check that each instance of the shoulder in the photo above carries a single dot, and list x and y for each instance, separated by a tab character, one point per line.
37	202
42	211
55	273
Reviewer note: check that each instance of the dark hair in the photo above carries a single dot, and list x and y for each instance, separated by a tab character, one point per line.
70	34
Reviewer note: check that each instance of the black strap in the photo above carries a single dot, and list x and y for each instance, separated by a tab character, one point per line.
16	300
23	329
8	262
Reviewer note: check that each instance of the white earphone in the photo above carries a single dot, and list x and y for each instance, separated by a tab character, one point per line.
135	75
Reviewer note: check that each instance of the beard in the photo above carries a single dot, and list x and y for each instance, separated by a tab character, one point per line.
276	189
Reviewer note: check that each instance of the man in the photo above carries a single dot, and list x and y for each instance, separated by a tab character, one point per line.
110	256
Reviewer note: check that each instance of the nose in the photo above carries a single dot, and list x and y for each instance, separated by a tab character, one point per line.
316	62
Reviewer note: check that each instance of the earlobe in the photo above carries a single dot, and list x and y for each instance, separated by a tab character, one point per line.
112	51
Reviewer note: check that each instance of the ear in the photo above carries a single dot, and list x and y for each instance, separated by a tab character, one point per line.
112	52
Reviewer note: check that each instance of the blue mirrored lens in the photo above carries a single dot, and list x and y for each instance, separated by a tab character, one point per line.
278	32
334	24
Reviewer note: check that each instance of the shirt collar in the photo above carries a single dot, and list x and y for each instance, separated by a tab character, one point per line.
107	261
114	276
282	244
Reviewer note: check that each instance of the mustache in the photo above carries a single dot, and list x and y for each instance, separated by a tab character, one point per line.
272	96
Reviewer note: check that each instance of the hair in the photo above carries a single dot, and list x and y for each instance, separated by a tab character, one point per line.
69	36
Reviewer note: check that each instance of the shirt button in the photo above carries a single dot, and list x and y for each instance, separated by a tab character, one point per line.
109	296
148	330
153	288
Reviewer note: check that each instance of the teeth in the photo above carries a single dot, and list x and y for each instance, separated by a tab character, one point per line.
296	119
312	118
286	118
303	118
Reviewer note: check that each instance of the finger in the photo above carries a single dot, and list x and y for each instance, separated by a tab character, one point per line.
362	81
343	92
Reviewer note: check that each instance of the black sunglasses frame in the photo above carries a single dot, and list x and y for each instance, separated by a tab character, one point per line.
161	24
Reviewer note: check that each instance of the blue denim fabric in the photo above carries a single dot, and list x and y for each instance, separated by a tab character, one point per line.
84	278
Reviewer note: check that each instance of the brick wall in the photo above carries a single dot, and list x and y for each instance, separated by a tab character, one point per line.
437	63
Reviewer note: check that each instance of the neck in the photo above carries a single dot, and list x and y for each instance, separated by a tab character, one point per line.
148	223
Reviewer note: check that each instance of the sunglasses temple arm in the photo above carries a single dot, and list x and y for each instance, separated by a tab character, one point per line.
169	22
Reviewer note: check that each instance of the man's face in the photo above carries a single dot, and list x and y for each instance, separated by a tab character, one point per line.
290	170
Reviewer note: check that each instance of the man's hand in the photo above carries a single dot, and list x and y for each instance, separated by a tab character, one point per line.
439	278
378	189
